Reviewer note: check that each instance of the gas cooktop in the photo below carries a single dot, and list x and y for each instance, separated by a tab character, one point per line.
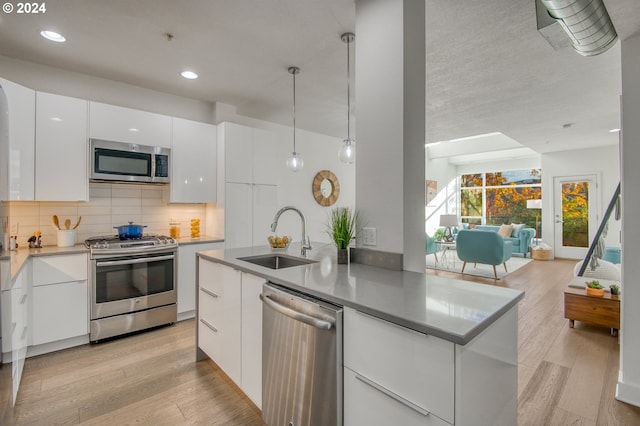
109	243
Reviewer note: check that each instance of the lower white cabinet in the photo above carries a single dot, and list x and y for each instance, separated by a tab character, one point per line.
67	317
367	403
60	298
219	316
187	276
252	337
230	324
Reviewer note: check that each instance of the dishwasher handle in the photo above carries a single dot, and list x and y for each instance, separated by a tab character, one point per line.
298	316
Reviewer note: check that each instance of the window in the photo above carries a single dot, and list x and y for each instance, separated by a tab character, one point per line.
500	197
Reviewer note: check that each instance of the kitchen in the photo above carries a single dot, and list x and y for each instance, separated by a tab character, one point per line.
300	186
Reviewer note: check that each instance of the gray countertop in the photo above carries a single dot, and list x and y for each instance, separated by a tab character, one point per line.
451	309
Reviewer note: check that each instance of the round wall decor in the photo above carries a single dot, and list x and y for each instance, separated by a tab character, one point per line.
325	188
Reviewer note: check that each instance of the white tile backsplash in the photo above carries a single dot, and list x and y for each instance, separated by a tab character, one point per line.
109	205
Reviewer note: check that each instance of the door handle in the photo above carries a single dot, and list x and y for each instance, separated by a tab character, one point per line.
559	221
298	316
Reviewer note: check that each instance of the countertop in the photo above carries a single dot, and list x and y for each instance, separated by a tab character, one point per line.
451	309
183	241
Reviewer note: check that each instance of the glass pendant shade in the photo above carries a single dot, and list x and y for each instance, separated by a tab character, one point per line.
347	152
295	162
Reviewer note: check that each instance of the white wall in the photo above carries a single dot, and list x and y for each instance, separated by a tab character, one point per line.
628	389
604	162
500	165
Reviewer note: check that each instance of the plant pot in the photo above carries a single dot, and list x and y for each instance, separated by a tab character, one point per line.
343	256
615	292
596	292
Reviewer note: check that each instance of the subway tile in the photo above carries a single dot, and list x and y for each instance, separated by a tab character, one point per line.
94	211
122	191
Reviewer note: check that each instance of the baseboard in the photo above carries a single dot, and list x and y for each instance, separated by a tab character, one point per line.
186	315
628	393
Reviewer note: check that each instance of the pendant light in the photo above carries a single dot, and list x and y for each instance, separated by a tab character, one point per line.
294	162
347	152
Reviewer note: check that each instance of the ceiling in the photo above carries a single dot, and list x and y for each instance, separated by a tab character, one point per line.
488	69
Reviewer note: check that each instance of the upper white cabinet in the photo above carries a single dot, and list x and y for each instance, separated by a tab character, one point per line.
114	123
21	103
61	148
249	154
193	156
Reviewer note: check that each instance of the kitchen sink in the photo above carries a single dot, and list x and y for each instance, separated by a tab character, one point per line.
276	261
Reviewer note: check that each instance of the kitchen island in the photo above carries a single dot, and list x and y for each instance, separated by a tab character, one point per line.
393	320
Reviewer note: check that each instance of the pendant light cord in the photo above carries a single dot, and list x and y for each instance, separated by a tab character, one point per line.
294	111
348	90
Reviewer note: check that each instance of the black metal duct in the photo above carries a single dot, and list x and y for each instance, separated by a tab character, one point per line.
586	22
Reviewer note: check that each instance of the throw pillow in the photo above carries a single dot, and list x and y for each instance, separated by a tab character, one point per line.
516	229
505	231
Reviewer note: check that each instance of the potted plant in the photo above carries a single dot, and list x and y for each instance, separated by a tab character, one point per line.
594	288
439	235
342	229
615	289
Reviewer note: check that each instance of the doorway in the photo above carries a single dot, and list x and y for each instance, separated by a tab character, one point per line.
575	214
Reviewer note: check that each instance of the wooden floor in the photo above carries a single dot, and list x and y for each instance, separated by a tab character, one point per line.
566	376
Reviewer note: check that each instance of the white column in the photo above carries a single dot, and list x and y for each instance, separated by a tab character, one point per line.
390	126
628	389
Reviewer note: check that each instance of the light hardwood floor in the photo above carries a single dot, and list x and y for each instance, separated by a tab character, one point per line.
566	376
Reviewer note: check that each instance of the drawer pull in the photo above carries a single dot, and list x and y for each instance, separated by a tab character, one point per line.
24	332
215	330
209	292
392	395
23	299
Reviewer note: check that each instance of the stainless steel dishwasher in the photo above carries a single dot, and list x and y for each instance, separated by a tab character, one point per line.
301	359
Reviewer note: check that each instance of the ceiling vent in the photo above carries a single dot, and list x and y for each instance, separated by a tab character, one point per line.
586	22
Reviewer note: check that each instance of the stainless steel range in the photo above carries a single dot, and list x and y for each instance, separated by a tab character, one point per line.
133	284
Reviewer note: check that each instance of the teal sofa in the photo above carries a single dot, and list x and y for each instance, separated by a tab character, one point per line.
520	241
482	246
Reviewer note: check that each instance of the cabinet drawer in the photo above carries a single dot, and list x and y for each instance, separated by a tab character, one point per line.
209	340
367	403
212	276
209	308
59	269
415	366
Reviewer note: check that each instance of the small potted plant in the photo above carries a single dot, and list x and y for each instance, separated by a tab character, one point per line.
594	288
342	229
439	235
615	289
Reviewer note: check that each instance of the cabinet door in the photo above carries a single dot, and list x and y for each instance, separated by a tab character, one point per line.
194	165
22	126
114	123
265	206
252	337
68	317
58	269
238	215
61	148
219	316
187	274
367	403
266	164
238	149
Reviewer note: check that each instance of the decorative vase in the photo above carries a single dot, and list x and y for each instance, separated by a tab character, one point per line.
596	292
343	256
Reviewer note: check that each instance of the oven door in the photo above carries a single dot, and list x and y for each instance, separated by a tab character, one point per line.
128	284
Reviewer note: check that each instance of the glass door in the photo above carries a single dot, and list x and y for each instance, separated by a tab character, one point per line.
575	215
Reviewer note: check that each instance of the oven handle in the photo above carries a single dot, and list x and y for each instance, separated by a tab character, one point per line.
132	261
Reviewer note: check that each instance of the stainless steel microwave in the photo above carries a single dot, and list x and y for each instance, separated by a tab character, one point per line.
128	162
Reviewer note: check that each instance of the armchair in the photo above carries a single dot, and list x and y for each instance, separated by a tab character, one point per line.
432	246
483	247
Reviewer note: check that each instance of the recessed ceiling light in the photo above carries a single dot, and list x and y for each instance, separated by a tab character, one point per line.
53	36
189	74
134	130
614	130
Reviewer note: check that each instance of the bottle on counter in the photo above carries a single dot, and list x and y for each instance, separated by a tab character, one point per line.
195	228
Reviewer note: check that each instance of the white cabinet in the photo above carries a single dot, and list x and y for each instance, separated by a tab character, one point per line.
21	103
249	210
219	316
249	154
15	326
194	164
187	276
252	337
60	298
417	368
61	148
115	123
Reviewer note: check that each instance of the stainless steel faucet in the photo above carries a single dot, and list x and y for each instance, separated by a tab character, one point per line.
305	243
